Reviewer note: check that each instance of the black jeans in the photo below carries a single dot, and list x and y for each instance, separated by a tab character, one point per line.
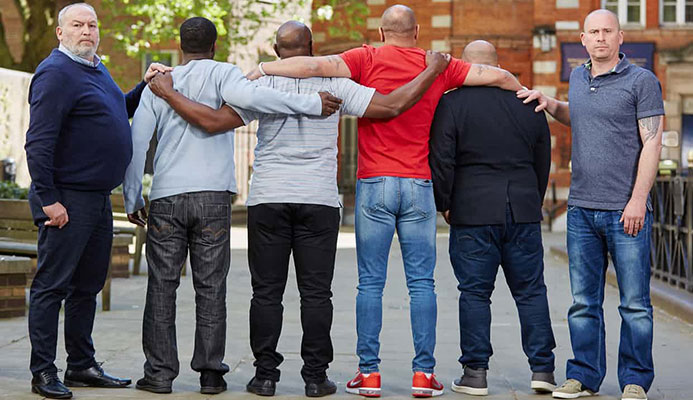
274	231
476	252
198	222
72	266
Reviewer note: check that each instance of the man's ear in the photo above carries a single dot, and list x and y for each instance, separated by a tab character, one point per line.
416	34
276	50
310	48
382	34
214	48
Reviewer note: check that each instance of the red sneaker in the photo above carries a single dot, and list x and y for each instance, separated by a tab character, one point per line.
367	385
423	386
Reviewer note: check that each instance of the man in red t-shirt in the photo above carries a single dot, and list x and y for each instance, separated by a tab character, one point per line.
394	189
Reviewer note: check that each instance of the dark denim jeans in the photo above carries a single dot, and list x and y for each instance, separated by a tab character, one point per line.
72	266
197	222
475	253
275	230
591	234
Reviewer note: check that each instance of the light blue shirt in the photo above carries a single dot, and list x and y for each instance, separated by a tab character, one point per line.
188	159
78	59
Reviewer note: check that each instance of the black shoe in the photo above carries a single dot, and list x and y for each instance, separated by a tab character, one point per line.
93	377
212	382
543	382
47	384
261	387
153	386
320	389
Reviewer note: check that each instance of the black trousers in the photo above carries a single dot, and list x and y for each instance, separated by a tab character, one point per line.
72	266
274	231
198	223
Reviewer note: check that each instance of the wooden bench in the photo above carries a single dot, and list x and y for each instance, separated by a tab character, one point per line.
19	236
139	232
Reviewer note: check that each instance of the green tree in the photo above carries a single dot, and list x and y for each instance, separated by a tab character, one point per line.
138	25
38	19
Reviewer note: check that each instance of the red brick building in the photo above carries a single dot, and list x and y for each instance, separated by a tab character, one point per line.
530	36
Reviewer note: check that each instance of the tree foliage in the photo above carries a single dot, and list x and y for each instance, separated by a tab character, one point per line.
137	26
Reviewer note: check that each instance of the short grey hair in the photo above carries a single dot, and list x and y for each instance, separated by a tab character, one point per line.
62	12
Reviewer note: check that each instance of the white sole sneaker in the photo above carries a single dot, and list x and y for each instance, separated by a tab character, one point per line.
542	387
367	392
469	390
584	393
425	392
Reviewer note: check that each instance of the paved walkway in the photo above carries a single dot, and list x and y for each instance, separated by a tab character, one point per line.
117	336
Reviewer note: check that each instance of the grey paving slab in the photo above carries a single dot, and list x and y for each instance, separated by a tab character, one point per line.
117	336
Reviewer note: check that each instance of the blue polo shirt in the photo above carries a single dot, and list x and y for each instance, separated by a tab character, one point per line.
606	144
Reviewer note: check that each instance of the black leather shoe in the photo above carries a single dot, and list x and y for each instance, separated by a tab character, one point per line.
320	389
262	387
212	382
153	386
47	384
93	377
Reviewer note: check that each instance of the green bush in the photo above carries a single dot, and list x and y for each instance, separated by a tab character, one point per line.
10	190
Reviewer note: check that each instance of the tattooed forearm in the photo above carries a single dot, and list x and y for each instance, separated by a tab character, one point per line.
649	127
480	69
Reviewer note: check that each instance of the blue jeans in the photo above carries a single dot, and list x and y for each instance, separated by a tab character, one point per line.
475	253
591	234
384	204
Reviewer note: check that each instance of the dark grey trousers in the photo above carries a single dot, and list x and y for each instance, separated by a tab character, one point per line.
199	223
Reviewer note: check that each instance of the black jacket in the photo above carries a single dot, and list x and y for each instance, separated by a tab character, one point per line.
487	149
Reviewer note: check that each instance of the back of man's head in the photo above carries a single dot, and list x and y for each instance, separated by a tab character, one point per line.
197	36
294	38
399	21
480	52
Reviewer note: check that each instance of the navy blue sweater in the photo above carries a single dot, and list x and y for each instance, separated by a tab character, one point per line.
79	135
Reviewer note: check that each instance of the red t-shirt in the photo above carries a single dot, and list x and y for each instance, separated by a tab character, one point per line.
398	146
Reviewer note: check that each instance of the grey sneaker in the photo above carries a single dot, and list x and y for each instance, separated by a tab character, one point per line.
572	389
634	392
543	382
472	382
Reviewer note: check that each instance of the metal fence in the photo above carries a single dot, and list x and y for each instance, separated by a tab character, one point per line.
672	231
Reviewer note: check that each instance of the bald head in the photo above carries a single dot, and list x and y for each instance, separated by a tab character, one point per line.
600	14
293	39
399	20
480	52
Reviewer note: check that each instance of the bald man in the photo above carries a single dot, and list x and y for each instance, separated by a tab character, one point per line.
394	190
78	146
615	112
293	204
490	159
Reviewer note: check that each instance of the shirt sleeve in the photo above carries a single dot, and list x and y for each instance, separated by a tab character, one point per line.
356	59
132	98
443	148
50	102
143	127
248	115
355	97
238	91
649	95
456	73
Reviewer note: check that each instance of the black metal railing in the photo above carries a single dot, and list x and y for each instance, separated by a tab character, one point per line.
672	230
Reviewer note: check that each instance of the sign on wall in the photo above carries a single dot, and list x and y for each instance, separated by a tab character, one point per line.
574	55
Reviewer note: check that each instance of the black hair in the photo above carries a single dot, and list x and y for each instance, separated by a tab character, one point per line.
197	35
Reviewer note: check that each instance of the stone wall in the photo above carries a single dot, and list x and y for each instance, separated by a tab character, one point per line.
14	119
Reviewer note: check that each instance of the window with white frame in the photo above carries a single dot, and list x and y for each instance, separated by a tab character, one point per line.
630	12
676	12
